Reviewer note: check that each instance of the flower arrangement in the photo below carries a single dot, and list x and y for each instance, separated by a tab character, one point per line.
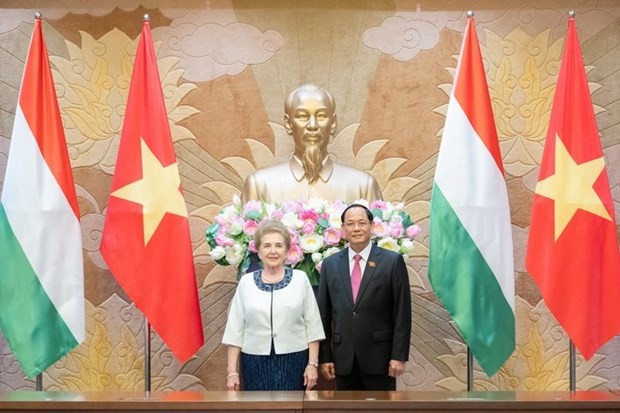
315	229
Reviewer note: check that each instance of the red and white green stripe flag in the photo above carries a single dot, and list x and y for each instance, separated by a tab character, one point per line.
471	264
41	270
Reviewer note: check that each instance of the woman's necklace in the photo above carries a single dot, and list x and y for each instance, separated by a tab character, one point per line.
273	278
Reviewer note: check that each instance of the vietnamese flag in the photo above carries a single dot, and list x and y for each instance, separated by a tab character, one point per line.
572	250
146	239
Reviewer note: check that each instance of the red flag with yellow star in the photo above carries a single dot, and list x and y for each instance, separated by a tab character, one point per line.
146	240
572	250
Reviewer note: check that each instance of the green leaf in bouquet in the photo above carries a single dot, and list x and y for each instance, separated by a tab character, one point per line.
309	267
244	265
211	234
407	222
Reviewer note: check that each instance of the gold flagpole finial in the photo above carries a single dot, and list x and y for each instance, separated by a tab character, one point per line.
571	14
146	17
470	13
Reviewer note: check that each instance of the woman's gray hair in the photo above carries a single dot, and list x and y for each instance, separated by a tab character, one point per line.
272	226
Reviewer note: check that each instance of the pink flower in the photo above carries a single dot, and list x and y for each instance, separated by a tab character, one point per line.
277	214
224	241
318	266
308	227
378	204
294	237
221	220
309	215
380	228
250	227
396	229
413	230
251	206
295	254
288	206
252	246
332	236
338	207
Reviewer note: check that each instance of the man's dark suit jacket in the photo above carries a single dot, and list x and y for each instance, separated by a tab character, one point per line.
377	328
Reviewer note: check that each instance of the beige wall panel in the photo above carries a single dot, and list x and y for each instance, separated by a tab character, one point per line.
226	67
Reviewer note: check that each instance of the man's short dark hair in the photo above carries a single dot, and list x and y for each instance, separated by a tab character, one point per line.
368	212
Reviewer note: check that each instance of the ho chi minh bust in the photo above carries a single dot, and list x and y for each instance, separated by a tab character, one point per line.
310	118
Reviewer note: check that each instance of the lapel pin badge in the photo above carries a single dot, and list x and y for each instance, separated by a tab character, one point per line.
371	264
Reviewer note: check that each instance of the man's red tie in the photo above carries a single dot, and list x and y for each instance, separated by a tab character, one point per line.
356	276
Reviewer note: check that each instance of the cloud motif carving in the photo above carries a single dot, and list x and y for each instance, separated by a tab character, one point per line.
23	12
400	38
207	51
212	50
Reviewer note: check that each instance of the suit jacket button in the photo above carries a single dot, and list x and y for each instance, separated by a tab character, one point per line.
354	313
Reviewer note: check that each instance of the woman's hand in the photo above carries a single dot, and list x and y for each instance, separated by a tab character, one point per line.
232	381
311	375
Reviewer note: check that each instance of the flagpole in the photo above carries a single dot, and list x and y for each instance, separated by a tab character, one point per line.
38	386
147	325
147	356
572	381
470	370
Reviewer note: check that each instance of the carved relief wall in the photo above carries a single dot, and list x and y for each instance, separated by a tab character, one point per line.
226	68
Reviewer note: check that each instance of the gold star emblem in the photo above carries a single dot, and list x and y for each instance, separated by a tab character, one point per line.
158	191
571	187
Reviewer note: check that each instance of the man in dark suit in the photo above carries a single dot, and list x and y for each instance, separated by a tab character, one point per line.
367	336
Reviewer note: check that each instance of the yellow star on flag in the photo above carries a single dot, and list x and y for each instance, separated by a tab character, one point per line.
571	187
158	191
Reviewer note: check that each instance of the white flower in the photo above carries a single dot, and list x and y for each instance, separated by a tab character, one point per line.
270	209
218	253
310	243
395	218
390	213
230	212
388	243
334	220
331	251
291	220
235	228
406	246
234	254
317	256
236	201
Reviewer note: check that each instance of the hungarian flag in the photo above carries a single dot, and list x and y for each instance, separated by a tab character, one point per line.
572	250
41	269
471	260
146	240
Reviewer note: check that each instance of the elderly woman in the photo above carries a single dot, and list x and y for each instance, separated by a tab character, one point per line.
274	324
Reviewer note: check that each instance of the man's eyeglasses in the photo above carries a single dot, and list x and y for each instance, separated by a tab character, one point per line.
352	224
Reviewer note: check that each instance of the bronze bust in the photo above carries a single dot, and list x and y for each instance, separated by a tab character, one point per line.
310	118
